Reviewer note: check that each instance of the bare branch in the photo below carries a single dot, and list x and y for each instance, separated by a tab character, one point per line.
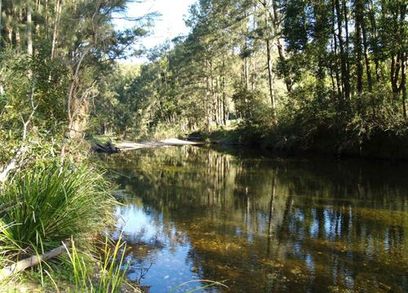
30	262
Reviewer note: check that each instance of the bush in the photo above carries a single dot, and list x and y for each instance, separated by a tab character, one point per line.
252	107
50	203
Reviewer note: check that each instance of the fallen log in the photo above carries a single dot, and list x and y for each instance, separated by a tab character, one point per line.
107	148
30	262
129	146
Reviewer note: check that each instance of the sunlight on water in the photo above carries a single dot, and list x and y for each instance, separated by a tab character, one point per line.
159	256
260	224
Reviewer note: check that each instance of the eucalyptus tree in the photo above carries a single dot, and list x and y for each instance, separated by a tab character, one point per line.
54	56
303	65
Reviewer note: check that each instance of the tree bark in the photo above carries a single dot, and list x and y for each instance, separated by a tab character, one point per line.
270	76
276	19
13	164
224	95
347	86
359	6
1	24
374	35
366	57
343	62
403	85
55	30
29	28
17	33
335	50
269	59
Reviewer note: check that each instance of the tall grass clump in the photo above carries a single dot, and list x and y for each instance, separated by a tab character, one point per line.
49	203
109	265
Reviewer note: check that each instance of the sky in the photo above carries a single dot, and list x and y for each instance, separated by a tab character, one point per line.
168	25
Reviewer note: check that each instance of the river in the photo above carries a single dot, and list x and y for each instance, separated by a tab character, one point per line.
261	224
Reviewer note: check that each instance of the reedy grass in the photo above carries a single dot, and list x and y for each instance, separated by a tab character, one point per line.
53	203
110	267
50	203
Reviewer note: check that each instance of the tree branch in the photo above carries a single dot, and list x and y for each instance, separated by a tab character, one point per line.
30	262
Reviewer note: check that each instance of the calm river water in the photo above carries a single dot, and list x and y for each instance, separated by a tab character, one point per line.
260	224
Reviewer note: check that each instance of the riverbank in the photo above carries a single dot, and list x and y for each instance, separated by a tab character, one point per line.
105	144
53	230
130	145
386	145
338	143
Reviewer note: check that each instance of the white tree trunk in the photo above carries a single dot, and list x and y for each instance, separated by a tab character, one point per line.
29	29
58	10
13	164
1	23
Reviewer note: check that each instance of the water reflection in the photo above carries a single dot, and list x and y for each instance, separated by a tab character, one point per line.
263	225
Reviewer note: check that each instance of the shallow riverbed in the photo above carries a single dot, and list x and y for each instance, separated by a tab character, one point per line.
262	224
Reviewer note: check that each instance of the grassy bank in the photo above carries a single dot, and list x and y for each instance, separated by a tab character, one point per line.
63	210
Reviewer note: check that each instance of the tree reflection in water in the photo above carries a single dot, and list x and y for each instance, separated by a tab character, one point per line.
262	224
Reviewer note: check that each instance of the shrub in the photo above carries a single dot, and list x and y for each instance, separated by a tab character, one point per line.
49	203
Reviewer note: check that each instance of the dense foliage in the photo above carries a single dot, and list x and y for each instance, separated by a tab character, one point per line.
54	55
295	68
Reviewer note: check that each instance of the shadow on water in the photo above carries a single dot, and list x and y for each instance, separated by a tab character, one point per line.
262	224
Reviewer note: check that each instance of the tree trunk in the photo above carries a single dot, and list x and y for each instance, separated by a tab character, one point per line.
374	35
13	164
403	85
403	60
366	57
17	34
276	20
55	30
77	107
224	95
359	6
207	101
335	50
395	71
270	77
246	73
29	29
347	87
343	62
269	60
1	24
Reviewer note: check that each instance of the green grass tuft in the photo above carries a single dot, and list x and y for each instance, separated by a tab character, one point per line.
50	203
110	267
